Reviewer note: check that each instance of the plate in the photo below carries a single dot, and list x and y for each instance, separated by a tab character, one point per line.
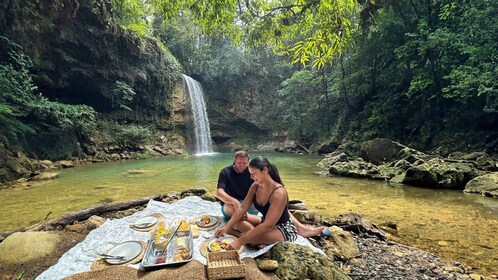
129	250
219	240
213	221
145	222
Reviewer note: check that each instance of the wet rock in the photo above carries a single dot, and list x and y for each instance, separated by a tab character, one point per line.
486	185
45	176
308	217
94	222
354	169
300	262
209	197
340	244
297	206
380	150
195	191
354	222
77	227
64	163
439	173
171	196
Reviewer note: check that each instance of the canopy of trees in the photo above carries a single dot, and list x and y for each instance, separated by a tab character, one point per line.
420	72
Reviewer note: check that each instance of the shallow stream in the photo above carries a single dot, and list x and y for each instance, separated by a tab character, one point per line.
449	223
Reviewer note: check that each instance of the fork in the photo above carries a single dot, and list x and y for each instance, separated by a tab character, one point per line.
106	256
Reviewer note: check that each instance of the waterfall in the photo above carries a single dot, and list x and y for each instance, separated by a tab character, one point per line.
202	132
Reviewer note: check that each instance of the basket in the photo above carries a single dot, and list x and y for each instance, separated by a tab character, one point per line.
225	265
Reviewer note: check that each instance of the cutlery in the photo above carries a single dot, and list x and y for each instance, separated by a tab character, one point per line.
141	225
106	256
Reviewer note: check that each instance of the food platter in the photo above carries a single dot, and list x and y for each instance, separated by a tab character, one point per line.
145	222
178	250
219	244
206	221
127	250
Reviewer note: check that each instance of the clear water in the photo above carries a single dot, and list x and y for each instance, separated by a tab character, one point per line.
468	224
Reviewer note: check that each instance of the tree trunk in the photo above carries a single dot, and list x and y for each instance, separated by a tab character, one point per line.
98	209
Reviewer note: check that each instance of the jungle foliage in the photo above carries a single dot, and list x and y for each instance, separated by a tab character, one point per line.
28	118
420	72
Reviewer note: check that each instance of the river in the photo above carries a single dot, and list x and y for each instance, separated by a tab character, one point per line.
449	223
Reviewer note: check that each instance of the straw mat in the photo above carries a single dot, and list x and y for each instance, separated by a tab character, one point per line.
100	263
193	270
204	247
218	222
151	227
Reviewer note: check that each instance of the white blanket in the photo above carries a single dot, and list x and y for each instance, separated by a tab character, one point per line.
113	232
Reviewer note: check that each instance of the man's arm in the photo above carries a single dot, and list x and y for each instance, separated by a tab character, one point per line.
221	194
226	198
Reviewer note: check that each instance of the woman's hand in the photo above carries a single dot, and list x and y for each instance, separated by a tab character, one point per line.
235	245
220	232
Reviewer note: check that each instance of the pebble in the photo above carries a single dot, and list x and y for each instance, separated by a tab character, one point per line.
267	265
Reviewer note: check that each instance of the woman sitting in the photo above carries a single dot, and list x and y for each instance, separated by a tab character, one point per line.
270	198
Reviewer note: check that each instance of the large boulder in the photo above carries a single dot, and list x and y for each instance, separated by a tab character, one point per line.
21	247
340	244
380	150
300	262
486	185
438	173
354	169
15	165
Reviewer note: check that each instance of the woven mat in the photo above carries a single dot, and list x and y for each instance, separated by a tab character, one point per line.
100	263
204	247
151	227
193	270
211	227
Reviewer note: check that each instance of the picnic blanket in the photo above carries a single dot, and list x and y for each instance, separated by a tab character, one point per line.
112	232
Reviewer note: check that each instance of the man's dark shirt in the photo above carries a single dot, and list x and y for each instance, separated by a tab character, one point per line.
235	184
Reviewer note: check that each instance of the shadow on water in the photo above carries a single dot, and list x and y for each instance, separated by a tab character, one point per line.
450	223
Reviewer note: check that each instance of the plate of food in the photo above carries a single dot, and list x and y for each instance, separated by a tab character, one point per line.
207	221
145	222
220	243
124	252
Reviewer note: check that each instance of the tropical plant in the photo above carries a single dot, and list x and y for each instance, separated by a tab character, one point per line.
309	31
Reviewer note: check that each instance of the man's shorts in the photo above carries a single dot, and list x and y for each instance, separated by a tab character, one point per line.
252	210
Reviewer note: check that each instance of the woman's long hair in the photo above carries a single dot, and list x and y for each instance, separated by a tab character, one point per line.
261	162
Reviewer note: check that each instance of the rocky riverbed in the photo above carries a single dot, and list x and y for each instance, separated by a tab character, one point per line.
384	159
356	249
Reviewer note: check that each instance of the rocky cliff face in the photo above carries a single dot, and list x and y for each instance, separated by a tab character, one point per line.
78	53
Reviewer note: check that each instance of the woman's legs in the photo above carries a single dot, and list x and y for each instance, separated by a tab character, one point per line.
249	222
305	231
270	237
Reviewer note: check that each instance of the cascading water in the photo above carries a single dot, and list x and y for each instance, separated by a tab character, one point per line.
202	133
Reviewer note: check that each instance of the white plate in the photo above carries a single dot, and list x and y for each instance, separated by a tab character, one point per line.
145	222
129	250
213	221
221	239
